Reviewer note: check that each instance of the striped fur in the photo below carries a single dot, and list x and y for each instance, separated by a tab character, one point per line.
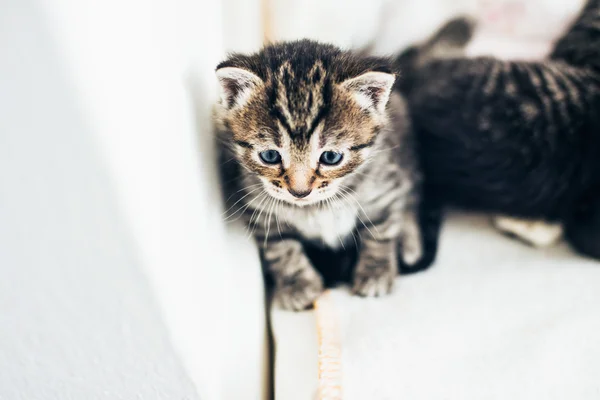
511	137
303	98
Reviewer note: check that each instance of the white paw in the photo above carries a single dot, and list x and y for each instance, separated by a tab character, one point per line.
536	233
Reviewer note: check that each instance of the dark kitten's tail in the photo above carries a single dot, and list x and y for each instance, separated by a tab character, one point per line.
449	41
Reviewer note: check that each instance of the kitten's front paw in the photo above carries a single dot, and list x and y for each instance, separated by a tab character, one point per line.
374	282
299	292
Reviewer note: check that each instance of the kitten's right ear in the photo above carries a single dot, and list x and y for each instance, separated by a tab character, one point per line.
371	90
236	85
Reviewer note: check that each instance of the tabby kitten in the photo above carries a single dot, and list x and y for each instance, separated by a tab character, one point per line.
316	158
512	137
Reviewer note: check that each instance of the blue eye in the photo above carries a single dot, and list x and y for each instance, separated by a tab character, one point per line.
331	158
270	156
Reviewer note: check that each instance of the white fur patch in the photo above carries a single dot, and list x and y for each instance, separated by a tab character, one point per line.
333	228
536	233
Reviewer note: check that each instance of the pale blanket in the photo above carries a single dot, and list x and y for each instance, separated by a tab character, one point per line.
493	319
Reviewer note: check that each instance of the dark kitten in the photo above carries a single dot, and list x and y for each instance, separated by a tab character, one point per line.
315	157
520	139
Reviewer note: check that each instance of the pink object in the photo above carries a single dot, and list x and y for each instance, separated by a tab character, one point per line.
521	29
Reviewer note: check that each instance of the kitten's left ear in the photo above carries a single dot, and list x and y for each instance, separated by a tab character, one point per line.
237	85
371	90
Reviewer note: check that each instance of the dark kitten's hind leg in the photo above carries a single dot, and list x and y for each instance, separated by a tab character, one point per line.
582	231
584	237
430	220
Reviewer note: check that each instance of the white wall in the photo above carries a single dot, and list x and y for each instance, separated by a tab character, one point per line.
77	318
508	28
242	25
389	25
144	73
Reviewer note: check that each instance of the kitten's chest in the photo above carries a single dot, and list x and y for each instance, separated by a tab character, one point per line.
332	227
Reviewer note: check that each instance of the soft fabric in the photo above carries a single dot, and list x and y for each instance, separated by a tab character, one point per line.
520	29
493	319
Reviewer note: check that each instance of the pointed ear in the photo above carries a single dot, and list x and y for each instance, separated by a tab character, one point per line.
371	90
237	85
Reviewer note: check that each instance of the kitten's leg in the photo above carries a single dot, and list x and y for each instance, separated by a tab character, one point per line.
411	243
377	265
376	268
297	282
537	233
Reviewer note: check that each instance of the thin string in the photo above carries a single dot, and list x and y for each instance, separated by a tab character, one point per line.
330	349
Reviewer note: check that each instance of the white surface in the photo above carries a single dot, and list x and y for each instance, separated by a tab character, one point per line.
77	318
107	180
493	319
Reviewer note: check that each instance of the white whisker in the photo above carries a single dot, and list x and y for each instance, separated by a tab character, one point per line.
225	162
243	197
277	216
269	200
243	210
333	212
258	209
384	150
270	214
345	191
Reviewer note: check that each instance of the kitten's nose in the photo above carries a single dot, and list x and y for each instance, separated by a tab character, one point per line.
300	195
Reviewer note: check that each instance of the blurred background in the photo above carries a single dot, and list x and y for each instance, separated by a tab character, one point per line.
118	278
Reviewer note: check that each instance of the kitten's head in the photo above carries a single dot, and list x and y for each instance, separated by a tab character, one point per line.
301	117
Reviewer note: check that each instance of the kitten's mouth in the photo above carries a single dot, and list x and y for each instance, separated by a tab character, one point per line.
307	202
299	202
303	202
312	199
